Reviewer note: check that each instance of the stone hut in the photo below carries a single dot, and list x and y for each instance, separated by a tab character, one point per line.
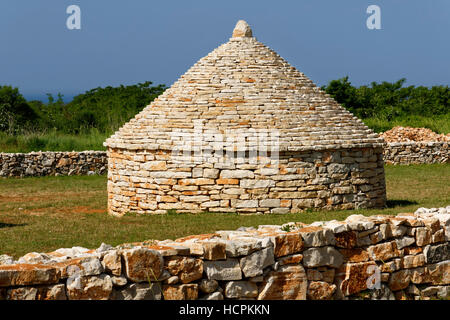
244	131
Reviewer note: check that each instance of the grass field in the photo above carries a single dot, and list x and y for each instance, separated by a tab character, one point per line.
52	141
43	214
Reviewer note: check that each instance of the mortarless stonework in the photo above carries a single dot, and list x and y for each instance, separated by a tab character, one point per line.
150	182
416	152
380	258
327	157
49	163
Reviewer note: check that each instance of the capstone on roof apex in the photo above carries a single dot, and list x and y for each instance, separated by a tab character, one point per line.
242	29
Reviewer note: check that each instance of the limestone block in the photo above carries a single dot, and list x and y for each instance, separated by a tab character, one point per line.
440	273
423	236
186	268
28	274
317	237
242	246
437	253
253	264
356	277
142	264
318	290
24	293
324	256
413	261
236	174
112	262
241	289
180	292
208	286
139	291
384	251
214	250
223	270
89	287
287	243
400	280
291	278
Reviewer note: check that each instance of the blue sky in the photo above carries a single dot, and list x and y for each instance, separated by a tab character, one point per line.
125	42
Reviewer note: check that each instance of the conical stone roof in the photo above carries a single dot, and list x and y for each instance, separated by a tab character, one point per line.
244	85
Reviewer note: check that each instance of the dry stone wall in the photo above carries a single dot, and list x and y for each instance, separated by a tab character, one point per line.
380	257
417	152
150	182
52	163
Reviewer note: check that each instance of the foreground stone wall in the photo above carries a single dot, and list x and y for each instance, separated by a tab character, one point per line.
52	163
150	182
417	152
380	257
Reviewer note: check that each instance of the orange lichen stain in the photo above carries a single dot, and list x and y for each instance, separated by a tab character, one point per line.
267	232
227	181
248	80
229	102
25	267
204	236
55	254
184	182
161	248
413	250
190	193
285	203
185	99
282	169
66	263
310	229
294	259
354	255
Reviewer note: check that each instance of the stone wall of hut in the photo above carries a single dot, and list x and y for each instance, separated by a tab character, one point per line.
149	182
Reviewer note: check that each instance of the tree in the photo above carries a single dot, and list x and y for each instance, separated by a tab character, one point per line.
14	110
106	109
388	101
